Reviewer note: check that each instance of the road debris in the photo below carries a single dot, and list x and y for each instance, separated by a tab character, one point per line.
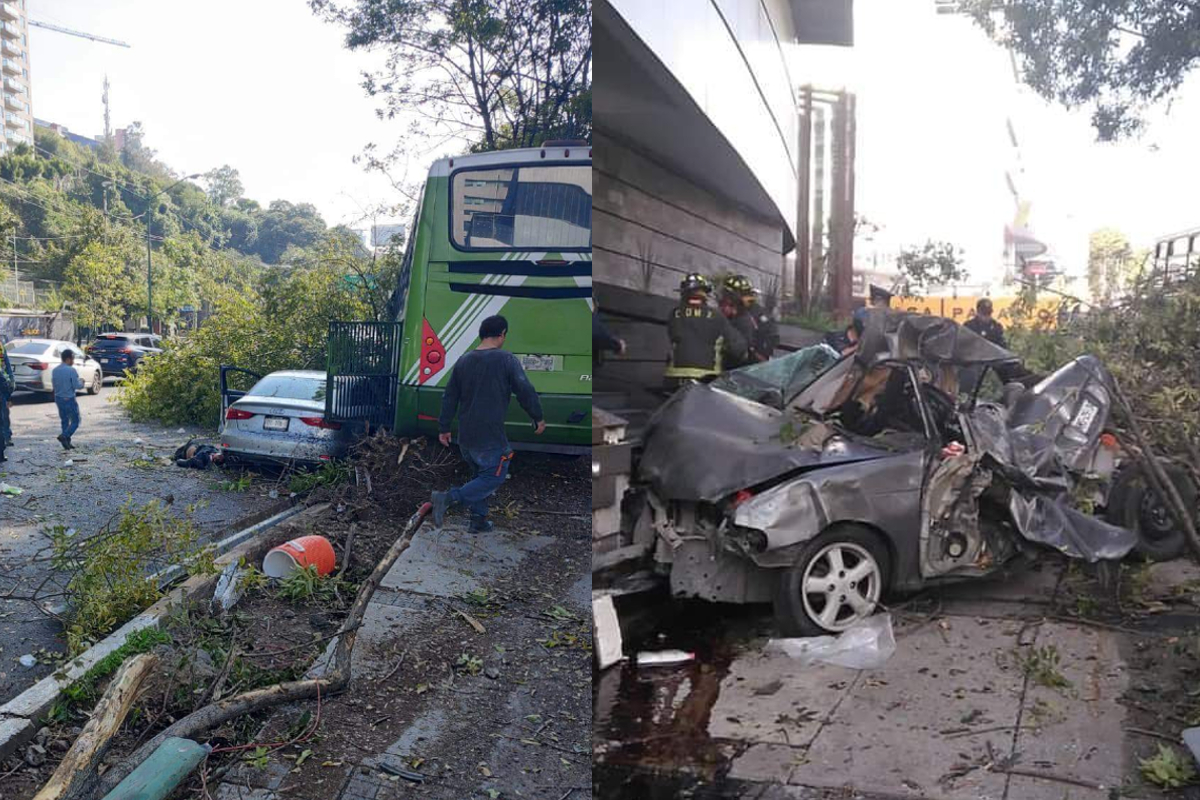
230	587
606	629
663	658
300	553
474	623
867	645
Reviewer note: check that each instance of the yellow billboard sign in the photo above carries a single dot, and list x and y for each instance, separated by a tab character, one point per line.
961	309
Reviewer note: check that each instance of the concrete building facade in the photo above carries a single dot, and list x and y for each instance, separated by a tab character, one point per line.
14	66
696	155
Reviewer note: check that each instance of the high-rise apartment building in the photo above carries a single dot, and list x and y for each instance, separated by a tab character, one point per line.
14	67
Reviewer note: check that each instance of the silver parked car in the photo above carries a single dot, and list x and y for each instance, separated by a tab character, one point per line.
281	419
34	359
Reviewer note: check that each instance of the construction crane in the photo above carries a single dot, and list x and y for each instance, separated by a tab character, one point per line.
60	29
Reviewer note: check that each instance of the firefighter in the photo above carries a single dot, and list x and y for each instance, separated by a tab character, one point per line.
762	334
735	311
702	340
730	306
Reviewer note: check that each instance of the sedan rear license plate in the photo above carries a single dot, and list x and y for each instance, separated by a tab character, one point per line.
275	424
104	361
538	363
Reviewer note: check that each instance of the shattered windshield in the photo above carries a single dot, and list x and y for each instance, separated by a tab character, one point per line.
776	382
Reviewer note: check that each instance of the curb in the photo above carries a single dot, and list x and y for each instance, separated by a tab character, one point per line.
20	717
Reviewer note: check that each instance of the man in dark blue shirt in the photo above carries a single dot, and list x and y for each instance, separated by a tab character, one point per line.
480	386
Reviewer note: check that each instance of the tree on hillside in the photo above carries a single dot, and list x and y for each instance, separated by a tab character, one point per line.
499	73
224	185
1111	263
287	224
100	285
134	153
930	264
1116	57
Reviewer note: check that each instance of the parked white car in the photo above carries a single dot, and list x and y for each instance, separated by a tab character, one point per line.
34	359
281	419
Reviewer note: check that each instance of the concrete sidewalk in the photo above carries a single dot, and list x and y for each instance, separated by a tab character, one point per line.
990	697
516	723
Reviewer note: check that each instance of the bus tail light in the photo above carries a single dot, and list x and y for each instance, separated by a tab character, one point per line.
433	354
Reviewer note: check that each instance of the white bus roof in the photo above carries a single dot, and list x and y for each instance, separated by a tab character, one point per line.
526	155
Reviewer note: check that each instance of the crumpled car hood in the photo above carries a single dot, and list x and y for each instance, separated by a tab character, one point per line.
705	444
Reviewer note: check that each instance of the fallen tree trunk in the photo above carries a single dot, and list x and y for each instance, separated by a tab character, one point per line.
218	713
90	746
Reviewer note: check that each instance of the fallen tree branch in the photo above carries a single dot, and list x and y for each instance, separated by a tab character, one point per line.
348	549
1157	476
89	747
1049	776
250	702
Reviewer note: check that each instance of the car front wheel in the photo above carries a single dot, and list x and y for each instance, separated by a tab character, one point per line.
96	384
1133	504
836	582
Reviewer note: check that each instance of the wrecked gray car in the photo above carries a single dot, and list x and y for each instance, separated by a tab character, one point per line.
822	483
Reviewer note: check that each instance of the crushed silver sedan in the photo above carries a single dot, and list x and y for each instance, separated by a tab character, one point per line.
281	419
823	483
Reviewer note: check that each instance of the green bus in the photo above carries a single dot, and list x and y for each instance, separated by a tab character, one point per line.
506	232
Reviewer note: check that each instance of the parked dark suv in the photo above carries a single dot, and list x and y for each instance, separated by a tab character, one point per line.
120	353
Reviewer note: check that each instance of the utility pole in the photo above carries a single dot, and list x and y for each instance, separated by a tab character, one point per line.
16	270
107	118
802	279
149	268
149	259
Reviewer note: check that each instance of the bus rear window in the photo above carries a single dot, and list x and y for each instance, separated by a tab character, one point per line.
526	208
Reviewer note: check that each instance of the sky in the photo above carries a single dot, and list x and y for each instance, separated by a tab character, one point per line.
933	94
263	86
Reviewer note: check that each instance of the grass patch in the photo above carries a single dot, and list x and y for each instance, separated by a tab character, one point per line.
84	690
1041	664
241	483
306	584
1168	769
331	474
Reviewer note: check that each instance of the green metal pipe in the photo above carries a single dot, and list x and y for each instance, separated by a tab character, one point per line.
159	774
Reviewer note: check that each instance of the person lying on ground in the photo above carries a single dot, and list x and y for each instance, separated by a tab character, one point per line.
197	455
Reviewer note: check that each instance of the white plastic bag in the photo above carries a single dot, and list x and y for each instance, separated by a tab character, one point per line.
868	645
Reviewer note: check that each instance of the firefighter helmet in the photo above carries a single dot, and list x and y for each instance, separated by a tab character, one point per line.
694	283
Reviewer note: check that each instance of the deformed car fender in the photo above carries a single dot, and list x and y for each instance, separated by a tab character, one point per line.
883	494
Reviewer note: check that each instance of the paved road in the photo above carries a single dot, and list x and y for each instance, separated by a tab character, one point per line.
109	469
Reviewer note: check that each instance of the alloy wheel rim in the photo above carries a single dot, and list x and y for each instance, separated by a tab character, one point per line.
841	586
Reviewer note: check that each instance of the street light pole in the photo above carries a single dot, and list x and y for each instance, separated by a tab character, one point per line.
149	268
149	258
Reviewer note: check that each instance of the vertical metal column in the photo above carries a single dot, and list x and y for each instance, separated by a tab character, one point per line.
802	279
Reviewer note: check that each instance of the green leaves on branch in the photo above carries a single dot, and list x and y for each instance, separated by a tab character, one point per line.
929	265
1117	58
283	324
112	573
497	73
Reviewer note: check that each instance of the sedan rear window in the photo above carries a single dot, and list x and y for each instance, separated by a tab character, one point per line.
290	387
27	348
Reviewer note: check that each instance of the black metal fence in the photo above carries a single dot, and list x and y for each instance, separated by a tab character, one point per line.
364	367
